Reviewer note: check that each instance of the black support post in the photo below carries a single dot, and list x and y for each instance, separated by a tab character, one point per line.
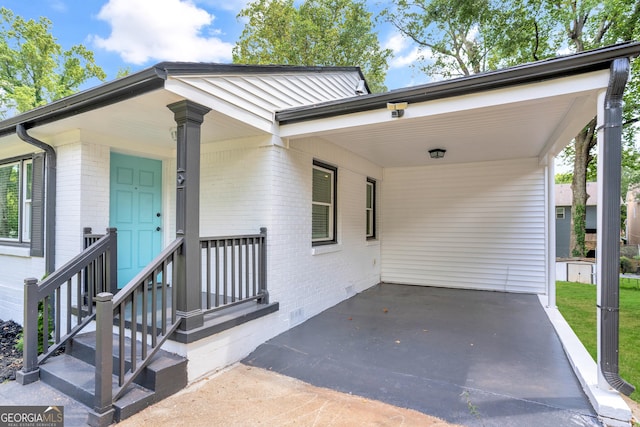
189	117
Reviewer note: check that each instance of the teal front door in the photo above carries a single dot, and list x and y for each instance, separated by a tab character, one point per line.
135	210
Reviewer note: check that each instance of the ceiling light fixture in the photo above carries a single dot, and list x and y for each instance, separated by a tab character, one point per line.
437	153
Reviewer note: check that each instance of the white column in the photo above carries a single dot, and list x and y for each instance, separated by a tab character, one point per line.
602	382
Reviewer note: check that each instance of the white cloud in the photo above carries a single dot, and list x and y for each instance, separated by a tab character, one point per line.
230	5
175	30
405	53
58	5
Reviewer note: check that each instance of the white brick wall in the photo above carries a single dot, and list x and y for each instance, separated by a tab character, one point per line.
247	188
303	282
82	185
242	189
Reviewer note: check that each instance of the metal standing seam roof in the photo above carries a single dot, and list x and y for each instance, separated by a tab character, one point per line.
578	63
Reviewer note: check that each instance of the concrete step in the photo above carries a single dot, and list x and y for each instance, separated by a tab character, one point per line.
165	374
76	379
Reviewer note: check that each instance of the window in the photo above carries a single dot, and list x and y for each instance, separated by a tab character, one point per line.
371	209
323	204
559	213
16	185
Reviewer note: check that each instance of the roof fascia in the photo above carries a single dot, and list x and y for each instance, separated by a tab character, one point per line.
579	63
203	68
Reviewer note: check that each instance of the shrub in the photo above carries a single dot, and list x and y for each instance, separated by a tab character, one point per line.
626	266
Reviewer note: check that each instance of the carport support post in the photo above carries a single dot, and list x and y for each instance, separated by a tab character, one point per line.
189	117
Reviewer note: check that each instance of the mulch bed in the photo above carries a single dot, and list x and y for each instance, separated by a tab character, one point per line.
10	357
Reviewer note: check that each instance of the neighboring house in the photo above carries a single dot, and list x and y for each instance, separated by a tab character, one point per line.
633	216
342	180
564	199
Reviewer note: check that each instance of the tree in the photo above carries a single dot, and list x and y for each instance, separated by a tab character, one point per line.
34	69
587	24
464	37
317	33
470	36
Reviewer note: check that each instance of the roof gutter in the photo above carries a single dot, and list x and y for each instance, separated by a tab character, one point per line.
609	298
597	59
50	196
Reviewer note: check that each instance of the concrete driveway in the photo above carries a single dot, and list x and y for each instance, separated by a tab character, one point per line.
469	357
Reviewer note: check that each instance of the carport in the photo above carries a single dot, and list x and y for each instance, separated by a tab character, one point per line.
482	215
476	358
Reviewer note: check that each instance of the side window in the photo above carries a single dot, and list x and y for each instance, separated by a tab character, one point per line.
16	184
371	209
324	208
559	213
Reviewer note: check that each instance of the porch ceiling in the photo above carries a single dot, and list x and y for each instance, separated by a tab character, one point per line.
140	124
527	121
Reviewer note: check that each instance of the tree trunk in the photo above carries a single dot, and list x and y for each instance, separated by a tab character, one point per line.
583	143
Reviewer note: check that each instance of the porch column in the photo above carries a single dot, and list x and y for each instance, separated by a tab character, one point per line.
189	117
551	231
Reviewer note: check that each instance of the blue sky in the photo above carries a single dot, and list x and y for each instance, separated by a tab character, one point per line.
135	34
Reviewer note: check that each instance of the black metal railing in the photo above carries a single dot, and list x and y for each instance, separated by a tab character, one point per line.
60	300
234	270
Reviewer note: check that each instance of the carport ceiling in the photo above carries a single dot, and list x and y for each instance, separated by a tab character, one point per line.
492	133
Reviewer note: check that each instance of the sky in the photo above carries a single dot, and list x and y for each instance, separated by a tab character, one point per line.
136	34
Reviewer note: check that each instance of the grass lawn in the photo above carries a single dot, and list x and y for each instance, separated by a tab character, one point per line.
577	303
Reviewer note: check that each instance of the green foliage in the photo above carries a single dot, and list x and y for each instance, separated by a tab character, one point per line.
34	69
577	303
564	178
463	37
20	341
625	265
315	33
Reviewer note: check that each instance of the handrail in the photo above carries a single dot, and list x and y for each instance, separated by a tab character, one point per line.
91	272
144	307
138	278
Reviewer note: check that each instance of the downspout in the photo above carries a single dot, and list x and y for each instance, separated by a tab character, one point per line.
50	196
611	152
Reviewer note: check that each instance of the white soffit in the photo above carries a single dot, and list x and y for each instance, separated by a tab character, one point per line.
142	123
521	121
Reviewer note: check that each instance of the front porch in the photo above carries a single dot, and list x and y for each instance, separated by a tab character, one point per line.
113	338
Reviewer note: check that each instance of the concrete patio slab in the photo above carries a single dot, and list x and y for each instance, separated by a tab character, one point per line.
469	357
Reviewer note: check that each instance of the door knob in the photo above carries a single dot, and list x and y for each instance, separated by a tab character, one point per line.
158	214
158	228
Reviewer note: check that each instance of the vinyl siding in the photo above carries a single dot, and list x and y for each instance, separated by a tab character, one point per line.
476	226
263	94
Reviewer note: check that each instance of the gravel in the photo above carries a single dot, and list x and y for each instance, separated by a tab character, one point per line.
10	357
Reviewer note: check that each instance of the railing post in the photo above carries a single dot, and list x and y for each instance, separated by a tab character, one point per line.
264	299
87	240
30	371
112	261
102	414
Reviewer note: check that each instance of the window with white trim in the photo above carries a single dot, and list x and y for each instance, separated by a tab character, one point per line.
370	209
324	210
16	187
560	213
